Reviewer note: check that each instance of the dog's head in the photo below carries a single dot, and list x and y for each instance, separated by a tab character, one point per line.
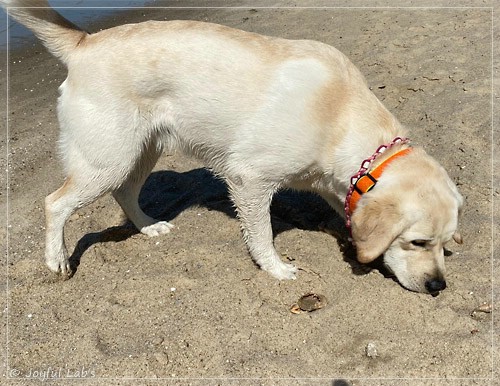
408	218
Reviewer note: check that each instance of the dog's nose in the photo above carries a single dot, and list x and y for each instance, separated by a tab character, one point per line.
435	285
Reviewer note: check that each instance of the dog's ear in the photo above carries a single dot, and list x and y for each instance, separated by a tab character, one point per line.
457	237
375	225
460	201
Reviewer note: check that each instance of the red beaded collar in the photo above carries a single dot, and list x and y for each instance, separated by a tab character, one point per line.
365	179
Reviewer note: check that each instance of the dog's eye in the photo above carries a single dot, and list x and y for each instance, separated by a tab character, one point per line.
419	243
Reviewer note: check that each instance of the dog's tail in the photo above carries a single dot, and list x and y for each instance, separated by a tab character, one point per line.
59	35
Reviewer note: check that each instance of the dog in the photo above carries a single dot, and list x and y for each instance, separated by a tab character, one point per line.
262	113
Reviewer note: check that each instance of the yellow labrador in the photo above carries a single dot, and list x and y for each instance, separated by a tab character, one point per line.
263	113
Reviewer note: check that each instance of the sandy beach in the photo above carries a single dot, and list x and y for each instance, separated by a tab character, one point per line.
191	308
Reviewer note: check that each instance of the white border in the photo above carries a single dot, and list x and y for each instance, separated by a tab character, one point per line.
492	353
7	202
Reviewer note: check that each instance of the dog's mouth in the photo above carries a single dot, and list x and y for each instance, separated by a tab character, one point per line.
380	265
432	287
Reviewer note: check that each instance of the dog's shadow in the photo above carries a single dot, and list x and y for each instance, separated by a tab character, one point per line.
167	193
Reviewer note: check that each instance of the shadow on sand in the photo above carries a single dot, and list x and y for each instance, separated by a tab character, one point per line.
167	193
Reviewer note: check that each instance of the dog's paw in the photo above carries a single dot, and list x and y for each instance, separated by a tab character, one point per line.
282	271
60	266
157	229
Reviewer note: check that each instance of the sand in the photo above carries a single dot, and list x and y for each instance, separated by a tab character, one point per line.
190	308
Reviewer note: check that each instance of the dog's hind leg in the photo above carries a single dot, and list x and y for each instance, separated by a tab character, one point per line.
253	202
127	195
81	189
76	192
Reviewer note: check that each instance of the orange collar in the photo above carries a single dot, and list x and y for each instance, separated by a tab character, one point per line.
368	180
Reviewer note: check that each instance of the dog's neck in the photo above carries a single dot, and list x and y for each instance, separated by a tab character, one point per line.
346	162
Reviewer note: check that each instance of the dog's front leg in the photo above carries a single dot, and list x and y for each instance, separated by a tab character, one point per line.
253	201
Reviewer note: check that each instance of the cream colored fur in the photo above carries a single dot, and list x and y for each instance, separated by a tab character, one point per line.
263	113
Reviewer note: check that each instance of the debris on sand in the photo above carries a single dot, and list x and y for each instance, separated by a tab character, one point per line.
308	303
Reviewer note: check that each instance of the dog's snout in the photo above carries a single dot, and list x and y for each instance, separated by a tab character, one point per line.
435	285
